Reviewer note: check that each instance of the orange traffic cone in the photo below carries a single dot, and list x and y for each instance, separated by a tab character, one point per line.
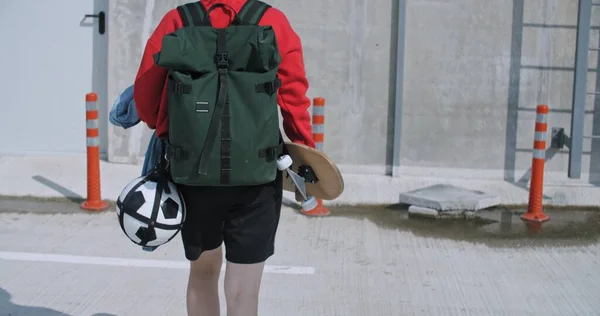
535	211
320	210
318	124
94	200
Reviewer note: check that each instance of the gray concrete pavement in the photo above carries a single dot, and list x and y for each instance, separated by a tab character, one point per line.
364	262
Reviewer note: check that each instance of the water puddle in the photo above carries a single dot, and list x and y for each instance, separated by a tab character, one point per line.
498	227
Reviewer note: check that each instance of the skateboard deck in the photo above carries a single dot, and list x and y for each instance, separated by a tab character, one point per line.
323	178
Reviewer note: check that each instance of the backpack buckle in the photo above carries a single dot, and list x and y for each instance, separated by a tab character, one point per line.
178	88
222	60
176	153
271	152
270	87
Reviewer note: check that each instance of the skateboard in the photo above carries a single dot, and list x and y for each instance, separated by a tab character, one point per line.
312	172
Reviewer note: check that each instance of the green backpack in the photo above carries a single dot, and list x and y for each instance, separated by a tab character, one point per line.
222	98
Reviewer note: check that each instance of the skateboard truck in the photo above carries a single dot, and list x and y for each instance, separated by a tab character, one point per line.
307	173
284	163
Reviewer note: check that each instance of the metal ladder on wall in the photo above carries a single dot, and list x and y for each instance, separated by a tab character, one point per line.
575	141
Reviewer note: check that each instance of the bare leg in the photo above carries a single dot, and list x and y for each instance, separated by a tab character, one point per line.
203	284
242	284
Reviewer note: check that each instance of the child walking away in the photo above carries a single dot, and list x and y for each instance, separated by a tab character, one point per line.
210	82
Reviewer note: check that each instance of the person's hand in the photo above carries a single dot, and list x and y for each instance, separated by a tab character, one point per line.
299	197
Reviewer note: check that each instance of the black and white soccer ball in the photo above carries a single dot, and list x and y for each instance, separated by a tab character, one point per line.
148	217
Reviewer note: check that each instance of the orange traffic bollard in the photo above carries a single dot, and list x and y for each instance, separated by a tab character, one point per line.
94	200
318	126
318	122
535	212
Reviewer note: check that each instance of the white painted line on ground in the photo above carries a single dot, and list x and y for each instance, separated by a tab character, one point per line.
129	262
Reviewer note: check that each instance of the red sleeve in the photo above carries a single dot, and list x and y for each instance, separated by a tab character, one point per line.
151	79
291	96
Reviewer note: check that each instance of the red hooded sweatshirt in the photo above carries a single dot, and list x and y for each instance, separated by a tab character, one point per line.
150	84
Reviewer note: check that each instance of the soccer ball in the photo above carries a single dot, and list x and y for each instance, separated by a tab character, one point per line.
148	217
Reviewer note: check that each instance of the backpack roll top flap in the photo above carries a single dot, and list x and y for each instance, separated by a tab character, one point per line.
178	48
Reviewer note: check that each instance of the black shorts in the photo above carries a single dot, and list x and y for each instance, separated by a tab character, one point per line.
245	218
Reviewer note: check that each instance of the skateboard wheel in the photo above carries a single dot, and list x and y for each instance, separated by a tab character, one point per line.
309	204
284	162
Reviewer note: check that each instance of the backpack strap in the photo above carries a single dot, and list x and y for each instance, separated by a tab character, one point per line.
252	12
192	13
221	115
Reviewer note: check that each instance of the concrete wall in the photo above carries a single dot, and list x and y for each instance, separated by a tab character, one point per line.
474	72
343	45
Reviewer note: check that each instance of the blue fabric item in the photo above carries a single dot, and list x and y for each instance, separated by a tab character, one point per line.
124	114
155	147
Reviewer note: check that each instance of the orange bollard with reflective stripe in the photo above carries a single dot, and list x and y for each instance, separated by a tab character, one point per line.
94	200
318	126
535	211
318	122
